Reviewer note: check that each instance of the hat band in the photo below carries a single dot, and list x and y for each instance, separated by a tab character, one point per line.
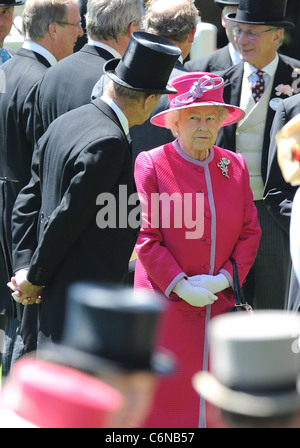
267	390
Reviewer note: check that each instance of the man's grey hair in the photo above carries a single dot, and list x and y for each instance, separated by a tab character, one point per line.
109	19
112	88
171	19
39	14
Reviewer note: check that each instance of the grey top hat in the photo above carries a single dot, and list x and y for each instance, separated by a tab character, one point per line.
11	3
111	328
254	362
146	64
261	12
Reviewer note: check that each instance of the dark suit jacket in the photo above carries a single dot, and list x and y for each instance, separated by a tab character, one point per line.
83	153
278	194
22	73
215	61
232	92
68	85
147	135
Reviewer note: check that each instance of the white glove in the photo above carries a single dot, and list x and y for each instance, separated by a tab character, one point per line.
214	283
194	295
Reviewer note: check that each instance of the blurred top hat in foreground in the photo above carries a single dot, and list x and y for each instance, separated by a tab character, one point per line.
11	3
254	364
111	328
223	3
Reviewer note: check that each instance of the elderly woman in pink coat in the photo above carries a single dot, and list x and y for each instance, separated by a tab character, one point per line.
197	213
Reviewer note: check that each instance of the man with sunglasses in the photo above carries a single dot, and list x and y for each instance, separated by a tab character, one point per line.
259	31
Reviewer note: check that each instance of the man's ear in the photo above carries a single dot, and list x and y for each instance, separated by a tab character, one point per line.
191	36
150	99
52	29
130	29
278	37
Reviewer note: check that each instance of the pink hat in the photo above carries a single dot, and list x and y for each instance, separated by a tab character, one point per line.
198	89
54	396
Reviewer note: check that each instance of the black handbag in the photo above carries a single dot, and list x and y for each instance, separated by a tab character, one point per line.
239	304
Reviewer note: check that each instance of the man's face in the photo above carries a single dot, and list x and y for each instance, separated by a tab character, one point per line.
6	20
137	389
68	30
257	44
228	24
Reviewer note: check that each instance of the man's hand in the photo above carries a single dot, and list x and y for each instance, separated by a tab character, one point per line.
23	291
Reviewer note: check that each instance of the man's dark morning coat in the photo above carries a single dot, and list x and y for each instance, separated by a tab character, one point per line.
83	153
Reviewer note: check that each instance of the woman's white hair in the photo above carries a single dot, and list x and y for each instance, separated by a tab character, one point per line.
172	118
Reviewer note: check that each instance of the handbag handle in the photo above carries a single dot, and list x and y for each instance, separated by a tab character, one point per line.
236	283
239	305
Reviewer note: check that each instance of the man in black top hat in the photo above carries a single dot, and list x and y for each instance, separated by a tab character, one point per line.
255	85
82	183
224	57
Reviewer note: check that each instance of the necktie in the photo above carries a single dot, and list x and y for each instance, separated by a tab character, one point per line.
259	86
4	56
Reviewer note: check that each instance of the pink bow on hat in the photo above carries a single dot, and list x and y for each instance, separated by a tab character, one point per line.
204	84
198	89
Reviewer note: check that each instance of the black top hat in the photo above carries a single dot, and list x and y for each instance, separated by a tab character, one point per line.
261	12
11	3
146	64
110	328
223	3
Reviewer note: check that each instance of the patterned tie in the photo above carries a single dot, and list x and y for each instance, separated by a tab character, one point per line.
258	87
4	56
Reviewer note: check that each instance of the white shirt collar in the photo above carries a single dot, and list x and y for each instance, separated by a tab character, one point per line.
111	50
269	69
33	46
117	110
234	54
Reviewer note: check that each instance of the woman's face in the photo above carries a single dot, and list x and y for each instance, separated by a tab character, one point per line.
198	129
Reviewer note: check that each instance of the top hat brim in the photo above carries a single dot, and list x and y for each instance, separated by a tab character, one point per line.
17	3
280	24
109	70
243	403
223	3
235	113
161	363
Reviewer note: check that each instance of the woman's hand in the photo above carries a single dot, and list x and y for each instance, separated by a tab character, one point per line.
194	295
214	283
